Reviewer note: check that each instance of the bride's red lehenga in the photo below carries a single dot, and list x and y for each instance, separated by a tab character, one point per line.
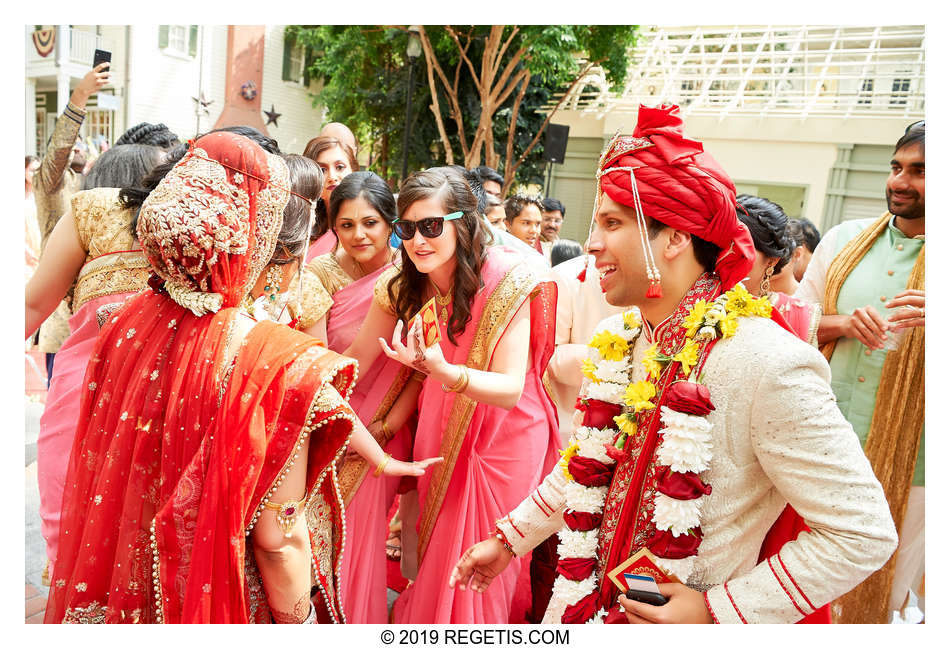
188	422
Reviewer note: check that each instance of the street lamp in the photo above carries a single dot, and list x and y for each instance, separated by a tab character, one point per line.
413	50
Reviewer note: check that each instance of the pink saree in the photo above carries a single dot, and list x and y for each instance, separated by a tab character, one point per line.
492	456
326	243
367	499
120	275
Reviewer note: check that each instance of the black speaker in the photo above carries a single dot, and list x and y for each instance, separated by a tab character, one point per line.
555	143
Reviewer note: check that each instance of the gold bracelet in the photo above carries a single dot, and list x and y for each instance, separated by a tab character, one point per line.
386	432
461	384
418	376
287	513
382	465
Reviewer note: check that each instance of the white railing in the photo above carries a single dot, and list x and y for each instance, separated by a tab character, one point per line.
82	46
797	71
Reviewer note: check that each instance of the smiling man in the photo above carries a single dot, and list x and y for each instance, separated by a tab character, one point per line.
700	419
857	265
523	218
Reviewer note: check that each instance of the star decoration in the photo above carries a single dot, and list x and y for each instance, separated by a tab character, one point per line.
201	103
272	115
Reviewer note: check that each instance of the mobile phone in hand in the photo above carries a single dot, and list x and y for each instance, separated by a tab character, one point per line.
102	56
656	599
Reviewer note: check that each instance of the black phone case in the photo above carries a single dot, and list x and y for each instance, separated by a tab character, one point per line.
102	56
647	598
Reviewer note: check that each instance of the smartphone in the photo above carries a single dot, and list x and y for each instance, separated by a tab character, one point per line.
102	56
656	599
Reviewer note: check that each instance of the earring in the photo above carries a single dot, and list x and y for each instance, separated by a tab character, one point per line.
272	280
765	287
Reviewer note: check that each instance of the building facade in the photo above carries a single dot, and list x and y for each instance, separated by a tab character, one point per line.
806	116
173	74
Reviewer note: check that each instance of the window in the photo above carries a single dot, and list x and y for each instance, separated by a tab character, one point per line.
900	88
180	40
867	89
98	125
177	38
297	63
297	59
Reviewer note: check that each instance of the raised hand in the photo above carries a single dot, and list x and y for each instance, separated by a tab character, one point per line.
414	353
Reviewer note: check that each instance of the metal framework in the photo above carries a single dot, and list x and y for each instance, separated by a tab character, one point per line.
774	71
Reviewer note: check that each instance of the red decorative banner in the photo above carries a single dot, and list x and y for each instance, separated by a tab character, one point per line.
44	40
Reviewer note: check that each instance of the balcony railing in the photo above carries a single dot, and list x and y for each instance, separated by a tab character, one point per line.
795	71
82	46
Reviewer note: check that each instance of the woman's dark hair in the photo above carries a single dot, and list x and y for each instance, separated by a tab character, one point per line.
150	134
406	289
131	197
514	205
371	187
564	249
768	224
306	179
485	172
123	166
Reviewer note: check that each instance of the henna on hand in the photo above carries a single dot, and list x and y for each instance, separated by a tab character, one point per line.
419	362
300	613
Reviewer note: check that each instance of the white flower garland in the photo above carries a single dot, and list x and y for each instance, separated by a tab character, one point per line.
609	385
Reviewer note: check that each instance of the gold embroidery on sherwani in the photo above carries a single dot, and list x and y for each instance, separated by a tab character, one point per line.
500	307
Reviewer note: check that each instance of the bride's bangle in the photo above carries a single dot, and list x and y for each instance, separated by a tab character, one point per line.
382	465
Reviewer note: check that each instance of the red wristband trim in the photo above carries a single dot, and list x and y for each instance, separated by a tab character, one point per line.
733	602
794	583
794	603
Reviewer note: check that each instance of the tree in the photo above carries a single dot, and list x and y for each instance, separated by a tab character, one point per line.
486	88
502	61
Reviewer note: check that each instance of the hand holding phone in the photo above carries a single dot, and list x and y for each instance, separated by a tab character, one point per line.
102	56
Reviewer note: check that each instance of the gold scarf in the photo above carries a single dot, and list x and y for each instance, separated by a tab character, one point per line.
894	436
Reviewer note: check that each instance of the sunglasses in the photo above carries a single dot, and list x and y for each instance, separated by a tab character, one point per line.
430	227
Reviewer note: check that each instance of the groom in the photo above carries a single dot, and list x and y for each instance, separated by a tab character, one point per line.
715	418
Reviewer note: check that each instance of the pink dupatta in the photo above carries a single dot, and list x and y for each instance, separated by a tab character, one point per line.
492	456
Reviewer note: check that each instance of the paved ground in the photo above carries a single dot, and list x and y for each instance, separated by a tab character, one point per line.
35	546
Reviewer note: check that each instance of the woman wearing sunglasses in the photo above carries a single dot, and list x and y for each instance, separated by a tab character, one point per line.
361	210
482	403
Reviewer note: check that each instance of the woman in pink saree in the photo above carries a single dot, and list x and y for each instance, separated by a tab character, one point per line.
360	212
337	160
93	245
482	404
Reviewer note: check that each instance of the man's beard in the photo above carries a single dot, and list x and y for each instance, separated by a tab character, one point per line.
912	211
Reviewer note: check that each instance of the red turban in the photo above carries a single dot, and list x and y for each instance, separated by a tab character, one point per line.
679	185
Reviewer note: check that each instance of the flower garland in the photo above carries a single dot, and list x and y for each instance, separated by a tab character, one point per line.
611	403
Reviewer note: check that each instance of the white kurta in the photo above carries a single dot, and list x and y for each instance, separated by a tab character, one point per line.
777	437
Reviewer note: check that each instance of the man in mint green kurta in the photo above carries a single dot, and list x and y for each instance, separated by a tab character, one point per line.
872	301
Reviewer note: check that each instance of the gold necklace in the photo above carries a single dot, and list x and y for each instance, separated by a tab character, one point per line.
442	302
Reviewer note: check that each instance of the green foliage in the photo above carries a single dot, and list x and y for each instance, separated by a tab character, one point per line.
364	72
